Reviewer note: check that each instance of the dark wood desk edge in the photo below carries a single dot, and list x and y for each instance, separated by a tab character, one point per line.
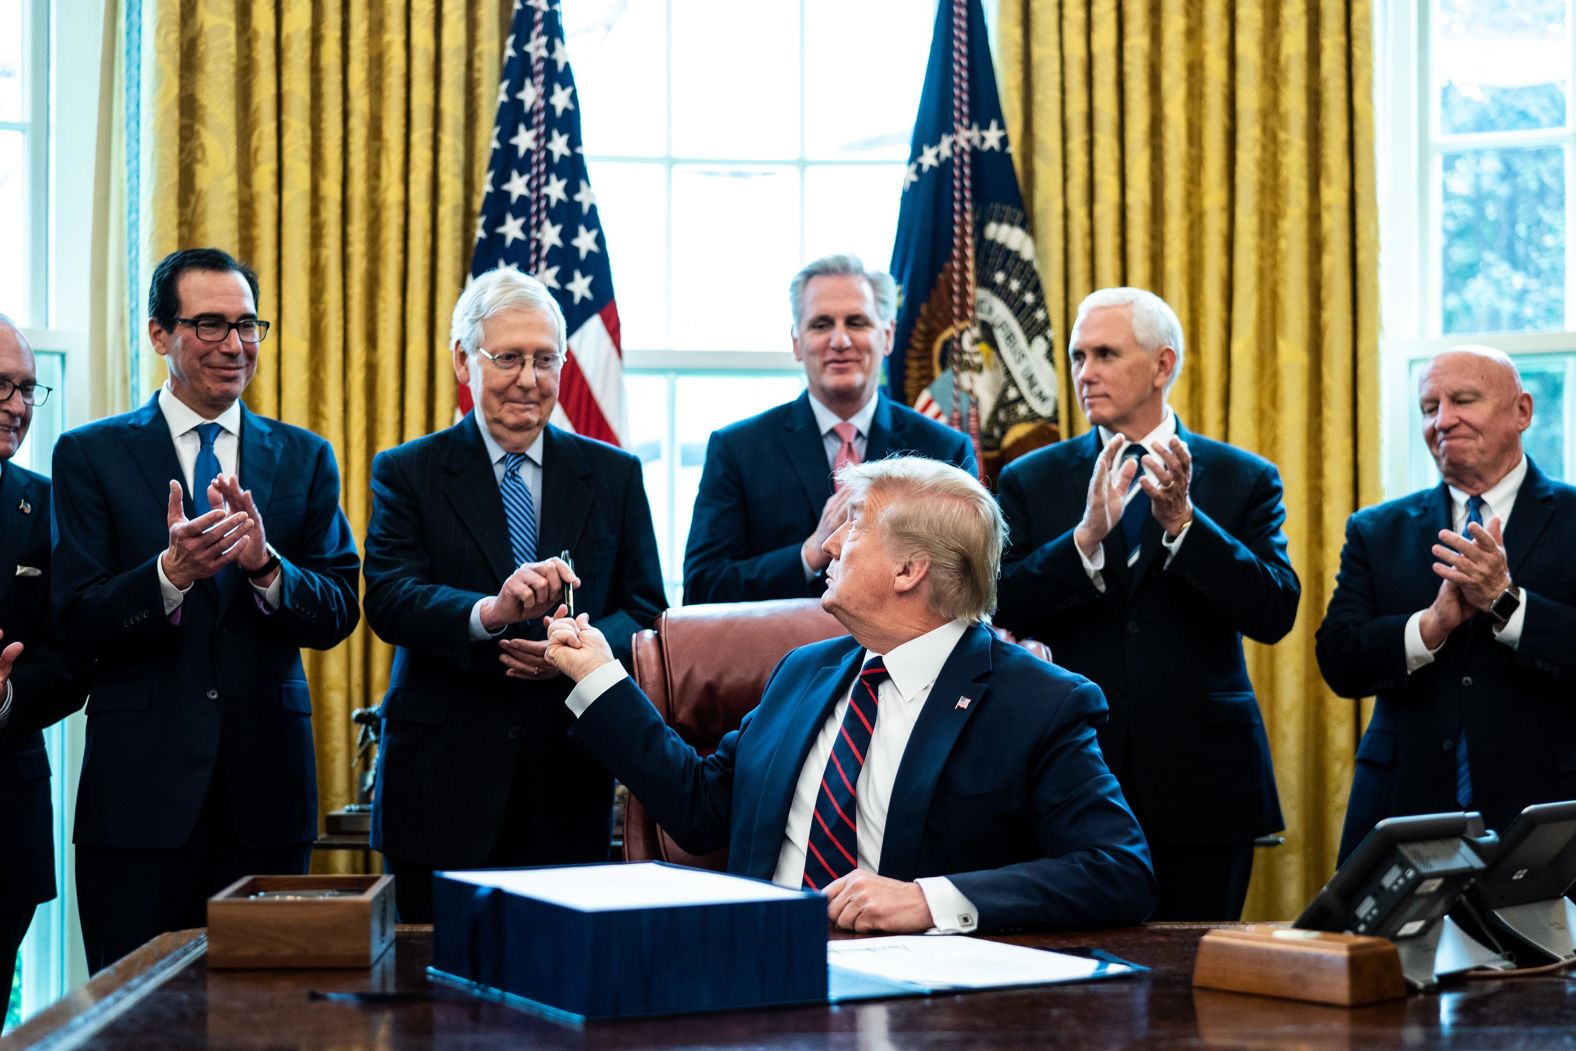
79	1014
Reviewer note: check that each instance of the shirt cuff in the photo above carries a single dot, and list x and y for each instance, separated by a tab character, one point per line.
477	631
1173	544
595	685
1093	566
1418	655
173	596
950	911
1510	634
269	597
5	706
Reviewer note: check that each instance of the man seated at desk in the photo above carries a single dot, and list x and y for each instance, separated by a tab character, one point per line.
954	783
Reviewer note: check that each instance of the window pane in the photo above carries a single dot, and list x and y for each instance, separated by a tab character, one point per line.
865	63
735	80
735	248
852	208
11	60
630	199
621	74
15	279
1503	237
1501	66
647	395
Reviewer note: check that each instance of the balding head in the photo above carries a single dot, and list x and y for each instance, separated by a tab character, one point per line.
1474	412
16	367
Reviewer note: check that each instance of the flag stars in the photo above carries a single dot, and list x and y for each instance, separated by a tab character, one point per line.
1029	298
548	276
558	145
580	287
528	94
513	229
516	186
550	235
554	190
585	240
536	47
999	276
990	138
524	139
929	157
584	197
481	228
560	55
503	91
1015	285
560	100
910	176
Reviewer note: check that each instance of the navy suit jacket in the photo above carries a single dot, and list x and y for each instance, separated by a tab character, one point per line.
169	698
1163	641
1518	706
1007	795
45	689
762	489
457	734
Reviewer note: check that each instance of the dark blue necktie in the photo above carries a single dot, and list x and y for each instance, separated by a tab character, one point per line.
832	850
1464	794
206	468
519	509
1138	506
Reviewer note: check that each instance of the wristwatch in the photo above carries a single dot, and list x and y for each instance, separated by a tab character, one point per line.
273	563
1505	606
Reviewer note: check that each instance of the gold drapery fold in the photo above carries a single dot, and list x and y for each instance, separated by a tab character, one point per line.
340	149
1220	153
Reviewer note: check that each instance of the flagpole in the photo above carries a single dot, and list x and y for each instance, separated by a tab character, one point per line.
963	281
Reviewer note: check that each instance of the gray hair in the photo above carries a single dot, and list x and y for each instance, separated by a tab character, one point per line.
496	292
882	287
932	510
1155	324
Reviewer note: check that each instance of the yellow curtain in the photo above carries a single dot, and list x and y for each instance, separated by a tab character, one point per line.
340	148
1220	153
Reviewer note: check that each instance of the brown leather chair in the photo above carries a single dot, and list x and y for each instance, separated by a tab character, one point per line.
704	667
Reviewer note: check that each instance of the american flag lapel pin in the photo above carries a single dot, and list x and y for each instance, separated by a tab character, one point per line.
25	507
963	704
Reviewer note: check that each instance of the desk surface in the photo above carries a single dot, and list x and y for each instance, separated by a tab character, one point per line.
164	996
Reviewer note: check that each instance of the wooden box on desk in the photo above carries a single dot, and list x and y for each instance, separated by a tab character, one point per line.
275	921
1345	969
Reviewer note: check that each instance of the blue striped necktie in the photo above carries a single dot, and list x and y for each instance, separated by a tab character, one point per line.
832	850
1138	506
1464	794
206	469
519	509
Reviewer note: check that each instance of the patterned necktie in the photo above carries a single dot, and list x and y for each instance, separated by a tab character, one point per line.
833	848
847	453
519	509
206	468
1137	511
1464	793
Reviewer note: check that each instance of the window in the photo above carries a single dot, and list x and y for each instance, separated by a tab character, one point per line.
24	44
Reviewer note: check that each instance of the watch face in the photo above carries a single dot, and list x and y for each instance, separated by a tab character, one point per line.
1505	606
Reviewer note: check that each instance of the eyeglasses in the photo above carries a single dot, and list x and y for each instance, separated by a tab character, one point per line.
217	330
32	393
511	361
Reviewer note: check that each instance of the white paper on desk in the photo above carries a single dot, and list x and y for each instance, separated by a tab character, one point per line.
962	963
597	888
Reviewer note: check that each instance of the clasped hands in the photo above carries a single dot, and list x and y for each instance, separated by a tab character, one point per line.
1170	500
1473	573
528	594
232	532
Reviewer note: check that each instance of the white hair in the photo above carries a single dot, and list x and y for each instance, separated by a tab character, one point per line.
1155	324
496	292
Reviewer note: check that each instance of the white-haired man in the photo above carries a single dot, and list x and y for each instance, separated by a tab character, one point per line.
1143	553
462	562
953	783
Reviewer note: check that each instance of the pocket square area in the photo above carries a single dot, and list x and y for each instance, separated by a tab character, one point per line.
29	571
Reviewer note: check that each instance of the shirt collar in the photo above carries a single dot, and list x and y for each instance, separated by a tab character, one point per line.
826	419
1499	494
495	452
916	663
1163	432
182	417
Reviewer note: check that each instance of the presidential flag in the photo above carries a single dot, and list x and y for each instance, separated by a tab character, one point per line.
540	216
974	344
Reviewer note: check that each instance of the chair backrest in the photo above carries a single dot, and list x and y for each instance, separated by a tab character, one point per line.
704	668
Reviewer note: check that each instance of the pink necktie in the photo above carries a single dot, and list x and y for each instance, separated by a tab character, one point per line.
846	453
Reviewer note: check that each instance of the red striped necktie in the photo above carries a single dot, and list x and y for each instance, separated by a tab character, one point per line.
833	847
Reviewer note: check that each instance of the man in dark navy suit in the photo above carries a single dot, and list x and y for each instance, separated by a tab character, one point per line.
1143	553
766	502
1456	606
474	769
953	784
37	685
198	547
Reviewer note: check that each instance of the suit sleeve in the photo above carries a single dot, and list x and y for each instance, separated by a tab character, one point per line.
717	564
1094	869
46	686
1546	634
1041	584
638	594
1244	576
1361	651
320	568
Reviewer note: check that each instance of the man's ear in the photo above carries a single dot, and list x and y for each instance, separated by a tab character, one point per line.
462	365
159	336
907	576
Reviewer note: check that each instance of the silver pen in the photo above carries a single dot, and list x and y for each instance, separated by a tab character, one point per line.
569	589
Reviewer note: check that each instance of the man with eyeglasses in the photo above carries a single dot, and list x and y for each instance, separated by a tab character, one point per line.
198	547
37	685
463	559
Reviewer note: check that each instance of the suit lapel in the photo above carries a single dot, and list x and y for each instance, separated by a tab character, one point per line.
1531	515
567	487
807	453
884	438
935	733
151	448
471	488
18	523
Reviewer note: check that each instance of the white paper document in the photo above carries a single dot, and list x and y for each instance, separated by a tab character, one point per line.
648	885
939	964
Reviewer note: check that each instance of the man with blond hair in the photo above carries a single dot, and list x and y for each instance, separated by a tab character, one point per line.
1456	606
918	772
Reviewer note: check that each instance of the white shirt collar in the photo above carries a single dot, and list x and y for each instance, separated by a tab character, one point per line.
495	452
1501	494
826	419
916	663
182	417
1163	432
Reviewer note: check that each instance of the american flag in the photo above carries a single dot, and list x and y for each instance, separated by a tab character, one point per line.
540	216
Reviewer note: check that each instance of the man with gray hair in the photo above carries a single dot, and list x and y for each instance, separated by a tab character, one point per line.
766	502
1143	553
463	559
919	772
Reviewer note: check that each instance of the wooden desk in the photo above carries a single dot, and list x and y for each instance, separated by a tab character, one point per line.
164	996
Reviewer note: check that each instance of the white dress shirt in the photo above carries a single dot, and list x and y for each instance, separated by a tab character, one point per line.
1497	503
1161	435
531	474
912	669
183	421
